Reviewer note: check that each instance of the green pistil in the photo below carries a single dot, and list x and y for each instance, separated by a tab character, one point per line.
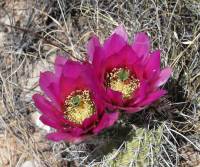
123	74
76	100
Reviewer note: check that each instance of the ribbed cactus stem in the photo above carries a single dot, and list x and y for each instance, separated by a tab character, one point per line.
141	150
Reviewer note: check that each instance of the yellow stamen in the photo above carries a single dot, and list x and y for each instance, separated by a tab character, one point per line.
79	106
123	81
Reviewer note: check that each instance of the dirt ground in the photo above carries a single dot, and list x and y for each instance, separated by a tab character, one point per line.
33	32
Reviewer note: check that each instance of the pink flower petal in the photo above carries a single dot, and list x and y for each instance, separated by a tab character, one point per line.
46	78
152	97
89	121
131	109
91	46
120	30
113	61
126	57
55	89
154	62
66	87
72	69
59	136
50	122
141	44
163	76
76	131
98	101
113	44
114	97
153	66
59	64
98	61
138	70
107	120
45	106
49	84
140	94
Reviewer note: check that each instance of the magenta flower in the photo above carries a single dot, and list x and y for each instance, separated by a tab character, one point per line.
128	74
72	106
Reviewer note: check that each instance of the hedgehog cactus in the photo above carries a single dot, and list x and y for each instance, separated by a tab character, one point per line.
140	151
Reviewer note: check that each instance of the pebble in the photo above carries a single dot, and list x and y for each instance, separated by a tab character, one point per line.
29	163
35	119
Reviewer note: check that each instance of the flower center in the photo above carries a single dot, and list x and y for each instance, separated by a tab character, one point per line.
121	80
79	106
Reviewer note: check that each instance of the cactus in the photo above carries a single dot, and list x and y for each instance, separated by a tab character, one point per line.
140	151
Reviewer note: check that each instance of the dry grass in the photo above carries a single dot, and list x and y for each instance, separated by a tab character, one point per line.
33	32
